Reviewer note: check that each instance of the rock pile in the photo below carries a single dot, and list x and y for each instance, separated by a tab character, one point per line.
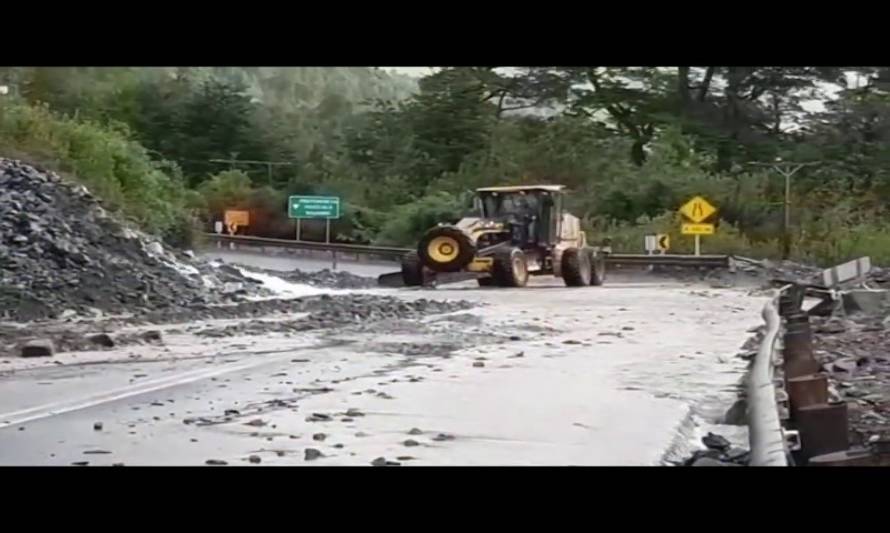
718	452
60	250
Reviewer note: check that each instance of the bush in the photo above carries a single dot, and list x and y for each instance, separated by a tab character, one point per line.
115	168
408	222
630	237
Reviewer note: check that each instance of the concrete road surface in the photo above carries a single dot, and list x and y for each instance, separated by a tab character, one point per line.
624	374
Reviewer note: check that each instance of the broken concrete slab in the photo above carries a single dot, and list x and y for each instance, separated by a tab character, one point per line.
864	300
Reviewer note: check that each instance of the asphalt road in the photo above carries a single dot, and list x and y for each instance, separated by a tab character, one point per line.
546	375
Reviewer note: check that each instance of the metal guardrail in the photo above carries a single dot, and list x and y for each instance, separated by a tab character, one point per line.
765	437
708	261
388	251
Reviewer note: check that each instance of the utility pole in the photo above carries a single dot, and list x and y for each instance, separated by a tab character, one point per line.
787	169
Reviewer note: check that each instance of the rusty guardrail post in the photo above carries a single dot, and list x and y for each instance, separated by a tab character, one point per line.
765	436
797	351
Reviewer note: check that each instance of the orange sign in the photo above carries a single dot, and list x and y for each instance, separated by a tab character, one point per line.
237	218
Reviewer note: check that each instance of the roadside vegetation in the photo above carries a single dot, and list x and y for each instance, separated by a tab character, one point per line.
172	148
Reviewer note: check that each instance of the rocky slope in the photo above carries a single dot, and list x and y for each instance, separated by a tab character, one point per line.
61	251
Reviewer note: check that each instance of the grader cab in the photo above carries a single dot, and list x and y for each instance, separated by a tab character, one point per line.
518	231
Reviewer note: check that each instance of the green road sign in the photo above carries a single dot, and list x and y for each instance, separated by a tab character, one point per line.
313	207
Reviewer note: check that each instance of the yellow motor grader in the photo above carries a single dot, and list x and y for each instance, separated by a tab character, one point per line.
520	231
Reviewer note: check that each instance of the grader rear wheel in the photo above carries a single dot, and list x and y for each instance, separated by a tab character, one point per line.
576	268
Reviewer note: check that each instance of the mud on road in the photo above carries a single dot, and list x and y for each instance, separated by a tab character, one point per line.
613	375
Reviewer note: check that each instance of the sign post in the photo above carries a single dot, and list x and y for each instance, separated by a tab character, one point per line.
697	210
315	207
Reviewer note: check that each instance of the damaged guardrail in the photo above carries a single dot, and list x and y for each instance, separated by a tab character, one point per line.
765	435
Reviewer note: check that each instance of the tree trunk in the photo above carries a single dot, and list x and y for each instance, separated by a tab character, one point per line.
683	85
638	152
705	84
731	118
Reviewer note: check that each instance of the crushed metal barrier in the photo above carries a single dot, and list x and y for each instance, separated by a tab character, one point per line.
818	426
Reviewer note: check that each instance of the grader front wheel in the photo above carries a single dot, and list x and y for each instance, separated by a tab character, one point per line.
510	268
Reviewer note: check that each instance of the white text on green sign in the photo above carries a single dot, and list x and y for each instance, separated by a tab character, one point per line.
314	207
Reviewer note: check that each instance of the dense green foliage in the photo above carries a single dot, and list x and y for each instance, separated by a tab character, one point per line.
163	144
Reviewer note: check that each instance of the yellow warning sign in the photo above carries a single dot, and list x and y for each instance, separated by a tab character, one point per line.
698	209
664	241
697	229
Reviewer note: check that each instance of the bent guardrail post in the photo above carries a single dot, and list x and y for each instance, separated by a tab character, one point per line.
764	429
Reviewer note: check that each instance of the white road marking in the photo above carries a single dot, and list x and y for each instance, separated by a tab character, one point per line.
43	411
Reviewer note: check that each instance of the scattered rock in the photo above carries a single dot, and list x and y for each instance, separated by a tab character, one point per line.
80	463
415	431
571	341
707	461
101	339
748	355
256	422
844	365
381	461
515	338
96	452
311	454
478	364
319	437
255	459
353	413
715	442
215	462
830	328
411	442
738	455
441	437
38	348
152	336
97	426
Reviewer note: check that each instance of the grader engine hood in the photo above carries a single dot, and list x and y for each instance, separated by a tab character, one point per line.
448	248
